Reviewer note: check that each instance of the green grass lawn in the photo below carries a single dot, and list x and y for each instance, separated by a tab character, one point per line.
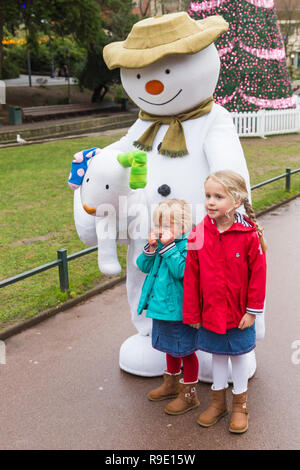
36	215
270	157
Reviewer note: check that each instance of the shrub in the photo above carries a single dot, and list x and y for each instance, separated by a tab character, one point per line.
77	55
15	57
10	68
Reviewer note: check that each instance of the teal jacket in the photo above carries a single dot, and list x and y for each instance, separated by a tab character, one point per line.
162	291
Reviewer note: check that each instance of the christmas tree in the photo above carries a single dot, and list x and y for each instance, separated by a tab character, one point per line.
254	72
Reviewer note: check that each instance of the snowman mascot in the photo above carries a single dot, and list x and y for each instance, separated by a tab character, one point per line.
169	68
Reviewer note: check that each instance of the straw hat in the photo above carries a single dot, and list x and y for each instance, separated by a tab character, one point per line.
152	39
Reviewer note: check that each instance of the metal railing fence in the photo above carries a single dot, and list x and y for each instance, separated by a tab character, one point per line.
63	258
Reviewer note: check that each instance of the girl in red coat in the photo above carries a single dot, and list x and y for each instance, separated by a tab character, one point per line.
224	290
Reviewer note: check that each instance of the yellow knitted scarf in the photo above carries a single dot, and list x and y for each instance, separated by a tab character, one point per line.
173	144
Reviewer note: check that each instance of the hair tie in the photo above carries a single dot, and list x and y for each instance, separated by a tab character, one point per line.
260	231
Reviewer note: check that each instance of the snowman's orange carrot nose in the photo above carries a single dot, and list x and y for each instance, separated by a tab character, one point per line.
89	210
154	87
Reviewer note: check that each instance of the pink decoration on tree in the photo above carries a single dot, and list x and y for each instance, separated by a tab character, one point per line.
225	100
262	3
268	54
206	5
280	103
227	49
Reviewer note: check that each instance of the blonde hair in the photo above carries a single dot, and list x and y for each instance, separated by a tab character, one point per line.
177	209
235	186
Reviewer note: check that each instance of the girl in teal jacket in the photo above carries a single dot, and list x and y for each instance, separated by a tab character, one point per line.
163	260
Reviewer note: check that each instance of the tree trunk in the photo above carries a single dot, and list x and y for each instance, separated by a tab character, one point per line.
29	66
144	11
99	93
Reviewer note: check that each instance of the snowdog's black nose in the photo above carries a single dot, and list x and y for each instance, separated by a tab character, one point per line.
164	190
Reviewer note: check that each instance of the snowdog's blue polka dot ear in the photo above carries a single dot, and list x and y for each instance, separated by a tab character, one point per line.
79	166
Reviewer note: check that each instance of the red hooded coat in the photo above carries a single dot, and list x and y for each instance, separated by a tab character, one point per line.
225	275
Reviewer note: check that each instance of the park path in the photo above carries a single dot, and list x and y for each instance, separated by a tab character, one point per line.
62	388
23	80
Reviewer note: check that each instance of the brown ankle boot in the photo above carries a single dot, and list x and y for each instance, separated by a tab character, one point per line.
239	417
169	389
216	410
186	400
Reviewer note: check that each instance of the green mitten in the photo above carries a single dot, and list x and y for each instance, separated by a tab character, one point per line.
137	160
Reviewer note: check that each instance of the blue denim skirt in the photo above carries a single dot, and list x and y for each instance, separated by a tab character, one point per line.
173	337
233	342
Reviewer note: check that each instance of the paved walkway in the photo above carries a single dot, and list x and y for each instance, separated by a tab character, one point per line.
37	80
62	388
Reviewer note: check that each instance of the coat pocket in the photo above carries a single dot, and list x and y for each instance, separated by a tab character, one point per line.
171	299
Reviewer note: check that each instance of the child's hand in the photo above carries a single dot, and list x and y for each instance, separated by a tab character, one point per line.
195	325
167	237
247	321
152	240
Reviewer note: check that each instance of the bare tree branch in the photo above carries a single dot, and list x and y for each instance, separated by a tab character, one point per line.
144	10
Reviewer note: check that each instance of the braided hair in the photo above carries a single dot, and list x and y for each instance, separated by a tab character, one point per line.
260	231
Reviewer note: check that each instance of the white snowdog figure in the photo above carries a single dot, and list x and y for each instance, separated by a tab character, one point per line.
108	180
170	68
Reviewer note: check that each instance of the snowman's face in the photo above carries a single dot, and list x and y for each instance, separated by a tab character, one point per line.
174	84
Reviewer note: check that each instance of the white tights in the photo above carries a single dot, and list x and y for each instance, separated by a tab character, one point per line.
240	372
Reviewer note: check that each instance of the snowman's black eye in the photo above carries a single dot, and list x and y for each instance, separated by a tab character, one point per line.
87	180
168	71
107	186
138	76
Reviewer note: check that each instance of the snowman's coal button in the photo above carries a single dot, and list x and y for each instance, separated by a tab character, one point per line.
164	190
158	147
